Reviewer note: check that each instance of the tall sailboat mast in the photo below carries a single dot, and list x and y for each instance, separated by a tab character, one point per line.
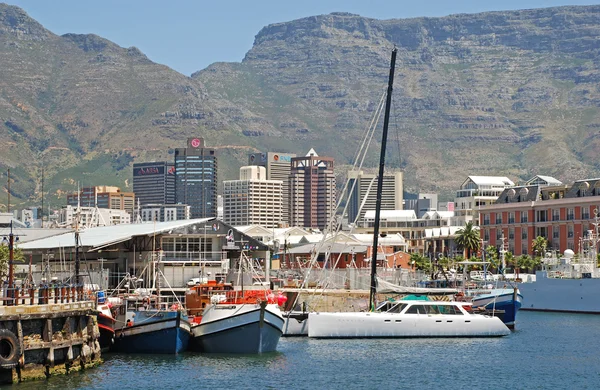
77	262
386	122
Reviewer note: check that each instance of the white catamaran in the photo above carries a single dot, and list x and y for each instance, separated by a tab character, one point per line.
403	318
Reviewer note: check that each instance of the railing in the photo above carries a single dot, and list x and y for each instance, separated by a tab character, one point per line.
44	295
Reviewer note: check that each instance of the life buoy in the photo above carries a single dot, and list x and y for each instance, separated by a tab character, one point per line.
10	349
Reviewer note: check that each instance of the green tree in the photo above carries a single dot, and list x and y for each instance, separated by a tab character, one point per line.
523	262
491	255
467	239
509	259
538	246
420	262
4	257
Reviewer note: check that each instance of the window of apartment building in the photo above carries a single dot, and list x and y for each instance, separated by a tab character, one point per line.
585	213
540	216
524	216
555	232
524	234
570	214
498	234
486	219
541	232
511	233
498	218
524	248
511	217
556	215
570	231
486	235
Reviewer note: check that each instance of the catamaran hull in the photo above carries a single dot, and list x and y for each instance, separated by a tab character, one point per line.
381	325
295	323
238	329
501	300
165	336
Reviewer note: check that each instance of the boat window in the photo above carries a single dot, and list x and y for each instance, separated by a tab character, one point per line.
385	306
398	308
450	309
416	309
432	309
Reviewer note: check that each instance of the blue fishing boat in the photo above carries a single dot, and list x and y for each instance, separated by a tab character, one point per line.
145	323
151	330
508	300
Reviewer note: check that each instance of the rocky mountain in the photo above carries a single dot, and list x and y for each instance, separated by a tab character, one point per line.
502	93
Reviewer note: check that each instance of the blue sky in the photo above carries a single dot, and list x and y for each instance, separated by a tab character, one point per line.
189	35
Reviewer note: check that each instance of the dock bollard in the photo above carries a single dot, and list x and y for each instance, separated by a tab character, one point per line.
63	293
32	295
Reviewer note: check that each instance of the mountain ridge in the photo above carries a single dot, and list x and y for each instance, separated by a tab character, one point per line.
510	93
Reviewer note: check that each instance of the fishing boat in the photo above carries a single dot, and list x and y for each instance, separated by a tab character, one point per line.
144	322
240	321
491	292
246	322
144	326
405	318
564	284
106	321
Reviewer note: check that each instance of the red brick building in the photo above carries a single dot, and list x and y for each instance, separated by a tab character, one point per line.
564	215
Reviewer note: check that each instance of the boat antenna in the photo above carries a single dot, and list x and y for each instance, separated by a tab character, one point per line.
42	216
8	192
386	122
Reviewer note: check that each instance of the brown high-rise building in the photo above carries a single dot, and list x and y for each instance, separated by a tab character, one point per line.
312	191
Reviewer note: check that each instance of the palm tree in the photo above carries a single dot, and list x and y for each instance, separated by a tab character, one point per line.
467	239
539	246
420	262
491	255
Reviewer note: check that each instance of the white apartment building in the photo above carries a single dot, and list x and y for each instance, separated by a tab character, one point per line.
91	217
362	191
253	200
474	193
164	212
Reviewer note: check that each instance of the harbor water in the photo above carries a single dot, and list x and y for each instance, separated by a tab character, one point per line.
546	351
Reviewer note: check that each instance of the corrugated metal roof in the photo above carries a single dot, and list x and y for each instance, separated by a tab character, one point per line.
31	234
105	235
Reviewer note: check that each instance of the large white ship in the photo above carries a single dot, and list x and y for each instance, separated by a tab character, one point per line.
567	284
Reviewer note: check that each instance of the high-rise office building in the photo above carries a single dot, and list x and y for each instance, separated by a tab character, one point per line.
278	167
364	193
312	191
154	182
196	178
252	200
